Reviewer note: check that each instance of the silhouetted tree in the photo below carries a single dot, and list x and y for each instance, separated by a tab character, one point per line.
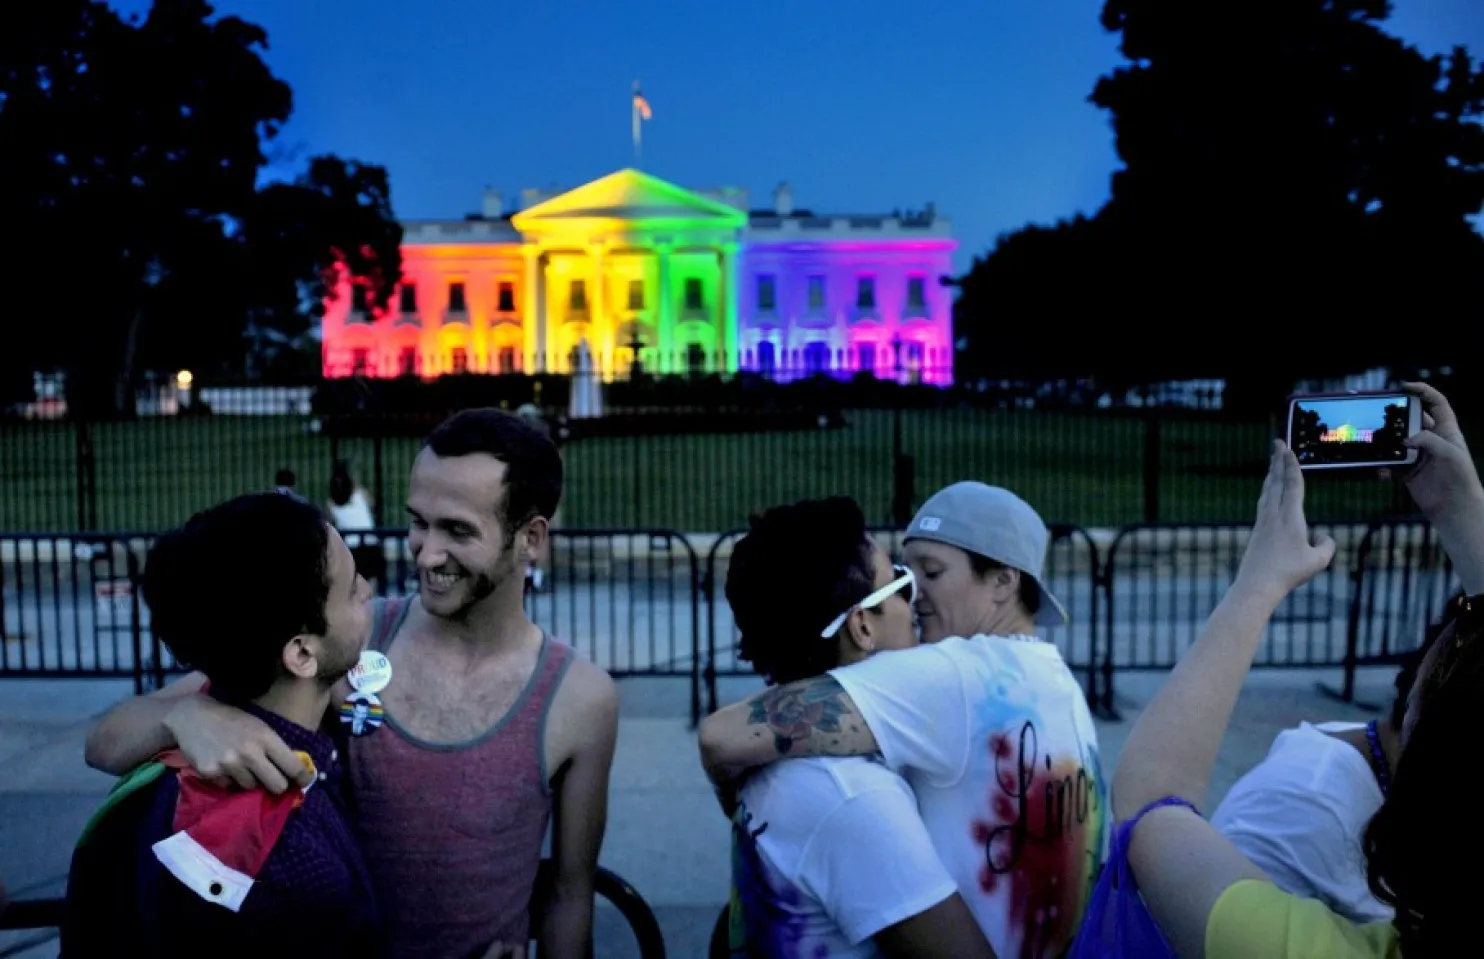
130	160
1293	175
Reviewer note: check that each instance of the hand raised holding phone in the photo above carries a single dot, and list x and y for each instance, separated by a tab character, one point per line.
1280	555
1445	474
1354	430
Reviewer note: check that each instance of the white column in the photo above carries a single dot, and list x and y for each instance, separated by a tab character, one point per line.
599	337
666	326
530	321
727	307
533	311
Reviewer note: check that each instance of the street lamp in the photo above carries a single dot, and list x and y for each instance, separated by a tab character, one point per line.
635	344
183	381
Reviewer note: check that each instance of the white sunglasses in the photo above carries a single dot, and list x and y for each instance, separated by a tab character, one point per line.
905	580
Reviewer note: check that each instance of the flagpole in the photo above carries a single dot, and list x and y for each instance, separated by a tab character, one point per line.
638	129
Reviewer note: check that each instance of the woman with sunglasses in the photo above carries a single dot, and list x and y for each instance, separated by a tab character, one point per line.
984	719
1422	849
830	855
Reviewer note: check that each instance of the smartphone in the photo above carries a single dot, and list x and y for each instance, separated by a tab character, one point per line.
1353	430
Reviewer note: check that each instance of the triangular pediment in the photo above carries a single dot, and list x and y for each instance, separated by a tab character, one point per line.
629	195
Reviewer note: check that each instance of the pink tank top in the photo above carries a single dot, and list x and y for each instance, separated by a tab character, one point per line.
453	833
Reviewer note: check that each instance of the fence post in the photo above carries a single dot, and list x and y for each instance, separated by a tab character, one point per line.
903	471
636	464
1106	709
1151	464
87	491
904	489
695	629
379	470
1358	585
1095	559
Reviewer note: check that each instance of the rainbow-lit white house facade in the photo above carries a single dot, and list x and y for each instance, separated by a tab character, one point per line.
692	281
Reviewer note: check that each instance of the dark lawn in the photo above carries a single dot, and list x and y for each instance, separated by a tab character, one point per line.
1087	469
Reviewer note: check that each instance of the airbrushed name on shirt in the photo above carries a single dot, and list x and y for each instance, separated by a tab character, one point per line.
1067	791
1046	837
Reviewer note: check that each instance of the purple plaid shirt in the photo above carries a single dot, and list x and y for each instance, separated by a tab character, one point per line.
313	895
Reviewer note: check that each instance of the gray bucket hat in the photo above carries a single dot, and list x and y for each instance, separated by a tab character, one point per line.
996	524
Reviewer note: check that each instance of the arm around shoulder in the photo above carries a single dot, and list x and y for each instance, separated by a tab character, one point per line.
810	717
219	741
909	705
137	729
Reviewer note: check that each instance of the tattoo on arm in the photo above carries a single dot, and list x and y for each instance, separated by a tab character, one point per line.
795	712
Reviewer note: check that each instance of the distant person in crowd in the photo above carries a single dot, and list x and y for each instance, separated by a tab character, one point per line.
815	839
262	597
491	731
283	481
1301	814
985	720
349	507
1421	856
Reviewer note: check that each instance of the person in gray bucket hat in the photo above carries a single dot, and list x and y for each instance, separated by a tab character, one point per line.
979	553
984	719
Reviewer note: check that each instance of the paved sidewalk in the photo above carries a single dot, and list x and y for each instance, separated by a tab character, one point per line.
665	835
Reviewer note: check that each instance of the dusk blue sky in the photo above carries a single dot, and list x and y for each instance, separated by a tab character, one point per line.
1366	414
861	105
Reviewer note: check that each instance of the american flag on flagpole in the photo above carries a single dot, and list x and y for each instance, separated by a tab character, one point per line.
642	112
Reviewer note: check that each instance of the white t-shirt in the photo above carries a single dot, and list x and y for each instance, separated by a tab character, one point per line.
834	852
355	514
1301	815
996	739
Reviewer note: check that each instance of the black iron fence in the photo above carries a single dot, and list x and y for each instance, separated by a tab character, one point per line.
70	606
644	602
691	453
1389	579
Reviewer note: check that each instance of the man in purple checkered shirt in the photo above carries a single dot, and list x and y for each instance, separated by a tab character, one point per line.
261	595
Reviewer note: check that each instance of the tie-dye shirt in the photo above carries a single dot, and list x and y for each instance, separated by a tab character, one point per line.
995	737
826	854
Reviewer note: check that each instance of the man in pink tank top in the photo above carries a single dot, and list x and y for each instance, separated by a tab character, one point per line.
489	730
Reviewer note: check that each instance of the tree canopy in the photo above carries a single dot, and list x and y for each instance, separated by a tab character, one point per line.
1294	197
132	156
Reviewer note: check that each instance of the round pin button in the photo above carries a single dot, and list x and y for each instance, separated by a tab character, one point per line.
363	713
371	674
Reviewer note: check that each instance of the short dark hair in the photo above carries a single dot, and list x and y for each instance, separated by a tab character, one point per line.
533	477
1434	896
231	587
342	484
798	567
1029	592
284	477
1406	676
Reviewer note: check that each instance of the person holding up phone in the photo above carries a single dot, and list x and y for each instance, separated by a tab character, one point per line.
1301	813
1211	899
